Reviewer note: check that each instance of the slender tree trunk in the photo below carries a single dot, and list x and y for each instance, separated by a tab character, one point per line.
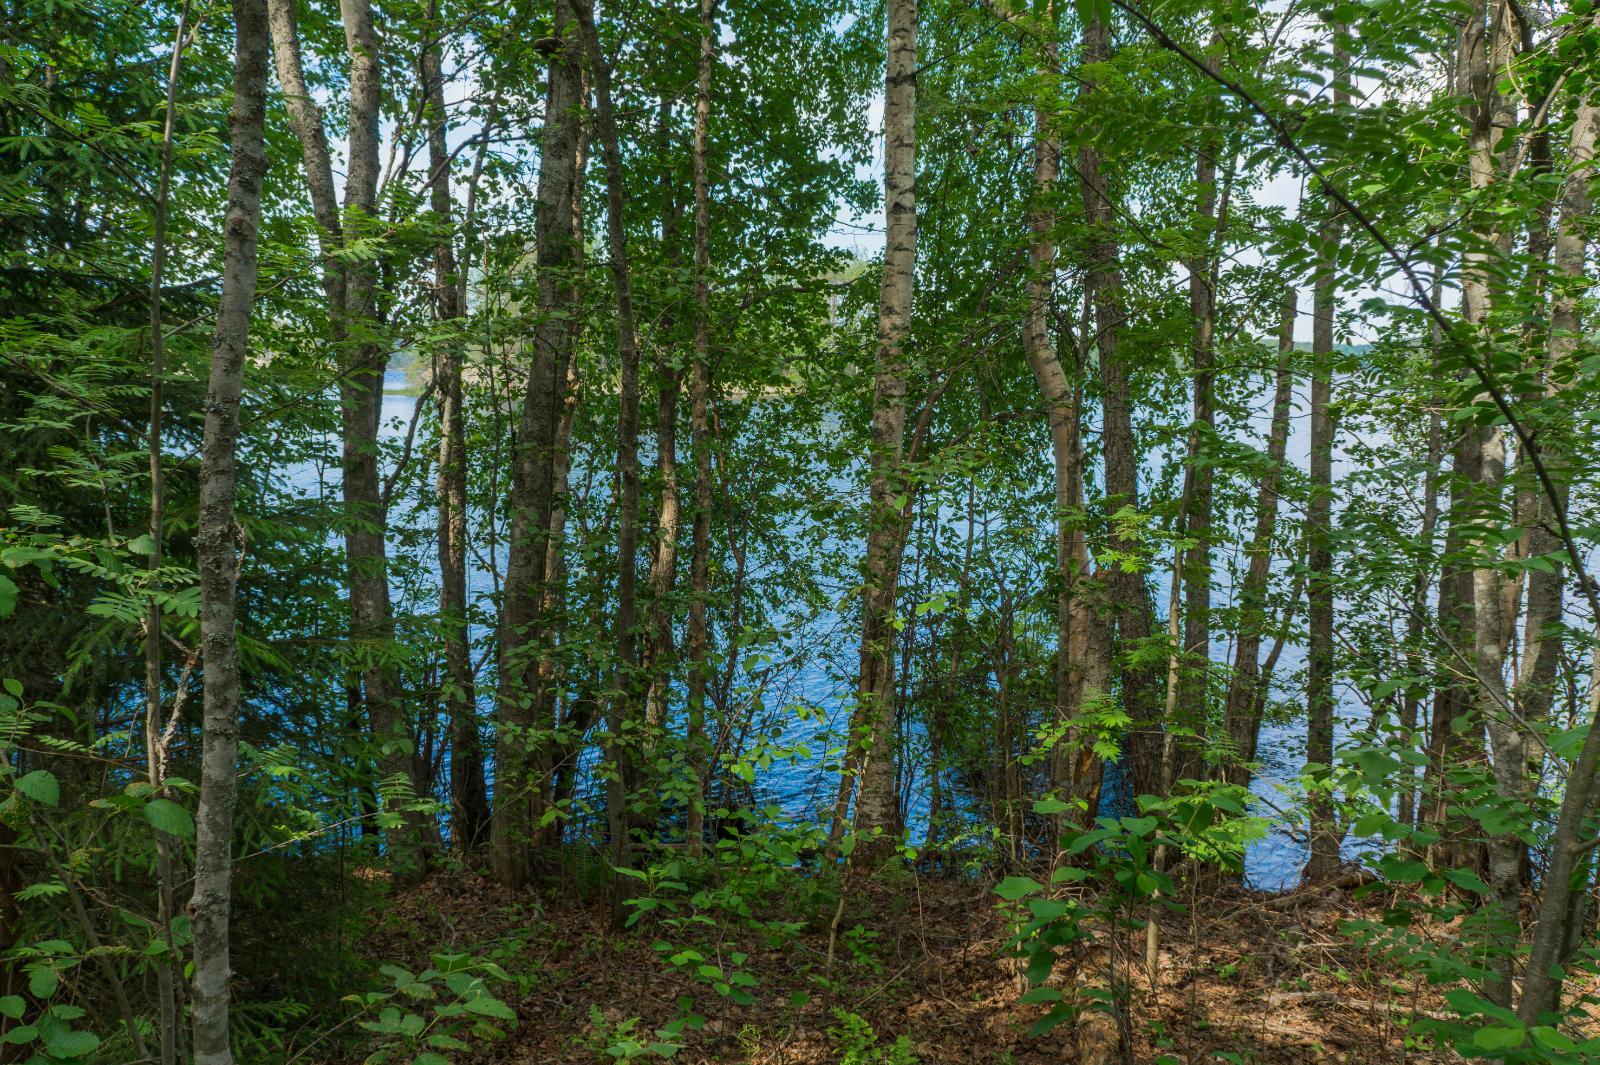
1062	410
664	558
469	797
698	635
525	747
305	119
1452	739
1566	880
214	536
624	725
1541	644
669	509
1195	651
350	290
361	387
1239	722
1132	611
870	760
569	735
166	969
1326	834
1406	803
1486	50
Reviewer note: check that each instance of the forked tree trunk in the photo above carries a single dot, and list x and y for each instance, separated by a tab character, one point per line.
869	768
214	536
524	715
1541	644
351	291
625	726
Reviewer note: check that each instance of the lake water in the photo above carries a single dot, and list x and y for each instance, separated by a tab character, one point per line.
808	703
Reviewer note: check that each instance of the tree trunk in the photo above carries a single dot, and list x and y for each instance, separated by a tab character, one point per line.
214	537
569	735
167	1008
869	769
524	751
669	510
1541	645
1560	909
624	725
1325	833
1406	803
350	289
361	400
1062	409
469	798
1195	651
664	558
1239	722
1125	588
698	634
1486	49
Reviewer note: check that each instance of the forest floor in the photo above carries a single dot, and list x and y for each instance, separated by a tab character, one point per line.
1245	976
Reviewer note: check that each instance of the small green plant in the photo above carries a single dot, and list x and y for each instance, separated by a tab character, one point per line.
741	885
1204	821
861	944
441	1010
856	1043
750	1040
48	1036
622	1041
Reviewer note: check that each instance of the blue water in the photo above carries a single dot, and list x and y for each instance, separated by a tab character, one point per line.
801	696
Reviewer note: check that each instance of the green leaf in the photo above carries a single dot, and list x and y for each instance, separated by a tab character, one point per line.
72	1044
1498	1037
428	1057
169	817
40	786
1013	888
1139	826
1551	1039
489	1006
43	981
1051	806
25	1033
1048	909
11	1006
8	596
1470	881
